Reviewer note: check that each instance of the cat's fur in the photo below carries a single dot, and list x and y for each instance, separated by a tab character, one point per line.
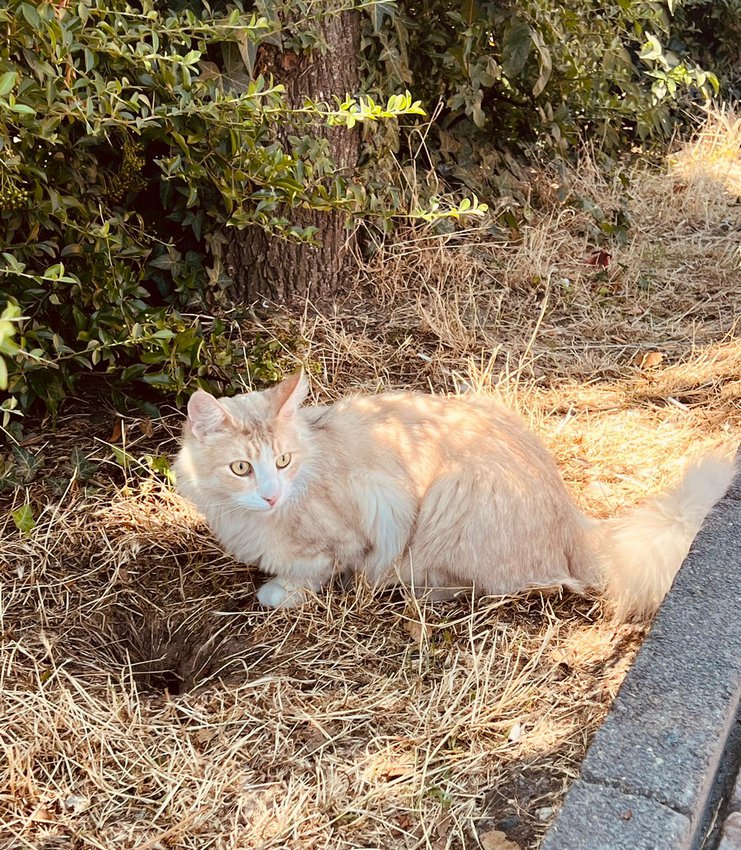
435	492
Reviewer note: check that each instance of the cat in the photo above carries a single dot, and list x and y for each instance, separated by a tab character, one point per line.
439	493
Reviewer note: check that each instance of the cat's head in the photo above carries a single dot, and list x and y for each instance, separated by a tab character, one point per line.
246	451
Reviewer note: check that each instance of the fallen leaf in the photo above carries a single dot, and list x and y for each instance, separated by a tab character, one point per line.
418	631
442	828
116	433
497	840
397	769
404	821
205	736
42	814
648	359
146	427
389	768
599	258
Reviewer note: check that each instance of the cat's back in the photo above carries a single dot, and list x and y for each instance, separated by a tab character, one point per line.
412	409
419	423
402	410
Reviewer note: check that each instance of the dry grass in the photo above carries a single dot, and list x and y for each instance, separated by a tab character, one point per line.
712	157
146	702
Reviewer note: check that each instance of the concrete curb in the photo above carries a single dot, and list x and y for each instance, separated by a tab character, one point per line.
659	774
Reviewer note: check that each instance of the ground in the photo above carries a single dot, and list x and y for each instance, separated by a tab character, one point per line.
146	701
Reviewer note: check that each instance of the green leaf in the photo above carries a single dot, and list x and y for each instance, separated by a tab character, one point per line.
516	47
651	49
546	65
24	519
159	463
123	458
164	261
158	379
7	81
31	15
379	11
248	51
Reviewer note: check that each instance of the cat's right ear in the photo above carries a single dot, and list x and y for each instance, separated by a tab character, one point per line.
205	414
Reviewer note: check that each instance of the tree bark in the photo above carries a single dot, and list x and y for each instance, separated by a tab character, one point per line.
263	266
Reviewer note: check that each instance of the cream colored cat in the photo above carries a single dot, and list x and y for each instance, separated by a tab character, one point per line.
438	493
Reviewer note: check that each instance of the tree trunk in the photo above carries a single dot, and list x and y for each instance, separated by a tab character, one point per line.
265	266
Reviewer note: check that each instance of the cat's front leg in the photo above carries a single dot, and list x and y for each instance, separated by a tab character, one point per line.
283	593
292	590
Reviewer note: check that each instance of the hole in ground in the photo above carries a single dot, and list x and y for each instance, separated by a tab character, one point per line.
174	653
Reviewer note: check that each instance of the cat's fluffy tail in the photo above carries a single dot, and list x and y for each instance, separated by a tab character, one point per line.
642	550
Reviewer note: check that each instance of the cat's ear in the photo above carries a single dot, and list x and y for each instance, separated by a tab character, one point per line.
289	394
205	414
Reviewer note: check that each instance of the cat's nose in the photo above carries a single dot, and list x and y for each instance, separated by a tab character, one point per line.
271	500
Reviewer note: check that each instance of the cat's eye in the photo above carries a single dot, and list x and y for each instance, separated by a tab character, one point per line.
241	467
283	461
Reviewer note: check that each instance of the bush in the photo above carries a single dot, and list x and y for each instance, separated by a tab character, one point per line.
130	137
545	72
711	30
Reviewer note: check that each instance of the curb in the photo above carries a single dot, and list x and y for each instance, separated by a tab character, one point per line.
660	771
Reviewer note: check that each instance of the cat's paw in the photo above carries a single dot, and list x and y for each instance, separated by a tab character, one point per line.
277	593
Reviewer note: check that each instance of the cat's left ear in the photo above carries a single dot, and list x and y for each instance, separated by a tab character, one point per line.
289	394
